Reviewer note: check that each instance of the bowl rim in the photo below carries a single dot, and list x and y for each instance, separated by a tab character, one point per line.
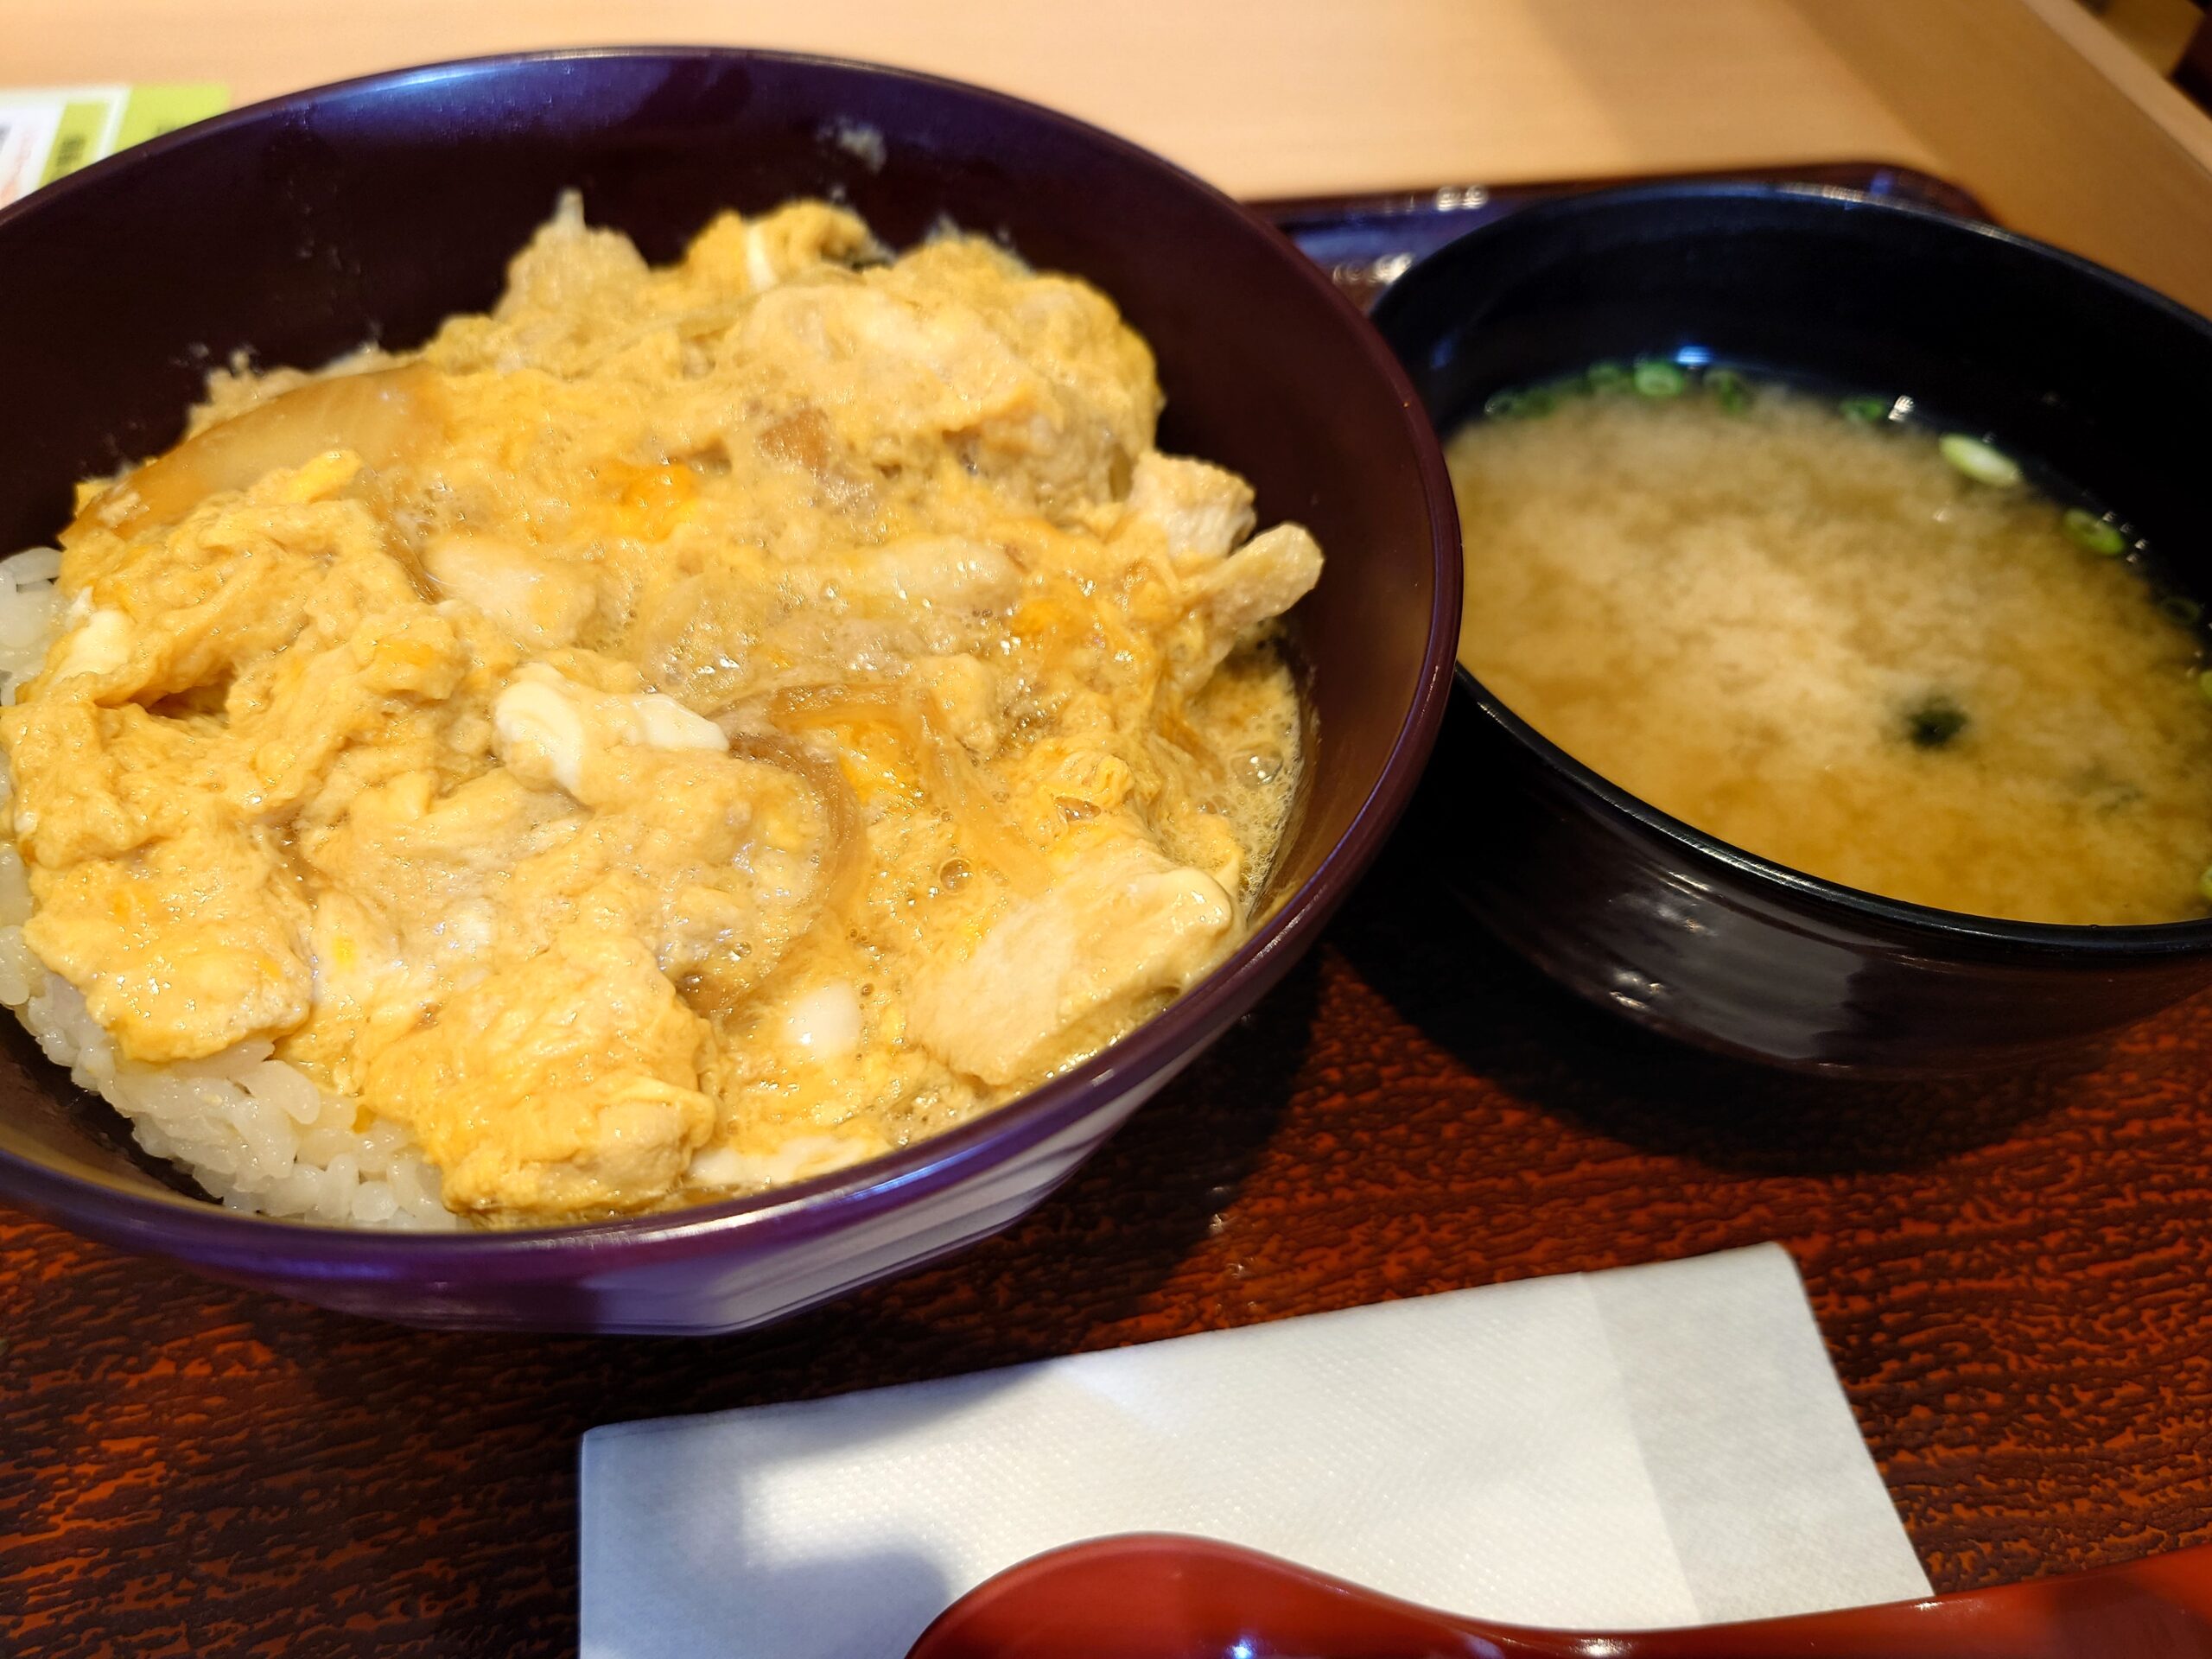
200	1227
2078	940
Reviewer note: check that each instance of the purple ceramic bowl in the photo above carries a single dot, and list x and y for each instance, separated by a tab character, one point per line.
371	210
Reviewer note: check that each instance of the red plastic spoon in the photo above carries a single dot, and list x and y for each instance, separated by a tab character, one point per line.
1155	1596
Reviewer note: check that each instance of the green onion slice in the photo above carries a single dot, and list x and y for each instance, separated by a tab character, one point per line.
1728	390
1982	462
2092	534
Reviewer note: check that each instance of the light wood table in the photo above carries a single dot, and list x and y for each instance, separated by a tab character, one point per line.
2030	103
2014	1277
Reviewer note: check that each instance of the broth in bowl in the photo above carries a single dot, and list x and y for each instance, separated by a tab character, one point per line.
1837	638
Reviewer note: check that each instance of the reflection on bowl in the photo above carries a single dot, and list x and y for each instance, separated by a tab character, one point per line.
373	209
2068	364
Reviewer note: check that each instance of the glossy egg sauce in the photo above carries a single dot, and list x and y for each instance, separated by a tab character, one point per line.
1829	636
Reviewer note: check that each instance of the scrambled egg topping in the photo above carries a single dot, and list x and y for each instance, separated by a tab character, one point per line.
680	731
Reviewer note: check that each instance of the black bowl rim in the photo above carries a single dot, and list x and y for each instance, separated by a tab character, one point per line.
2077	940
206	1233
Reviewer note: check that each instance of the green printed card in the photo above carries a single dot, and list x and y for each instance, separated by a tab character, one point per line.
46	132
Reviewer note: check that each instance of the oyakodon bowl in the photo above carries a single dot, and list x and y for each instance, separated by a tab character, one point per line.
2093	376
298	228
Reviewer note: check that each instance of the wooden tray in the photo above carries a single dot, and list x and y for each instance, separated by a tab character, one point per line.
2014	1276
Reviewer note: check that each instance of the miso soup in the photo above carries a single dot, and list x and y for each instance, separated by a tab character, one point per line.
1833	638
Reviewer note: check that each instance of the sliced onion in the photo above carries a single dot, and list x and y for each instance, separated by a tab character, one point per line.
844	859
382	416
980	821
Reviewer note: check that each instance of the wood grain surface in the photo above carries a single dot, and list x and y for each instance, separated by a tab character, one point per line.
2011	1275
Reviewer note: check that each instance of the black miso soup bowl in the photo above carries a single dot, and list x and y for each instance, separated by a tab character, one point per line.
2086	377
300	227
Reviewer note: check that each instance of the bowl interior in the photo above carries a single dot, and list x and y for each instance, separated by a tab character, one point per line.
2071	367
2081	374
296	230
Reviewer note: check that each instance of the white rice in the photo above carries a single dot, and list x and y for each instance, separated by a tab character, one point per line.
255	1132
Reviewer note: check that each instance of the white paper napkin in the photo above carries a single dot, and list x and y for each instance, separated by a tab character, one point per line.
1660	1444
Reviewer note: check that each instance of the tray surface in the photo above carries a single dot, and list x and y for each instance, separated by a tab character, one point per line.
1366	242
2014	1276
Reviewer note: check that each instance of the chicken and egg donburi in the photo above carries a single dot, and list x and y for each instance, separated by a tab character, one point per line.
683	730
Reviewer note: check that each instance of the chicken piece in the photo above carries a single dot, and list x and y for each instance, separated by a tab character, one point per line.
1106	394
566	1085
1200	515
188	945
872	610
1262	579
891	376
621	810
1258	581
534	600
553	730
926	573
1200	512
1036	380
666	853
1119	922
803	449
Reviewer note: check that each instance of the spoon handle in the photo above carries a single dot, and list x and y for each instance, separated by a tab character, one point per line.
2156	1608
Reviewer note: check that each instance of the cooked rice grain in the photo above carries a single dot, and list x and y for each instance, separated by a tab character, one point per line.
255	1132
